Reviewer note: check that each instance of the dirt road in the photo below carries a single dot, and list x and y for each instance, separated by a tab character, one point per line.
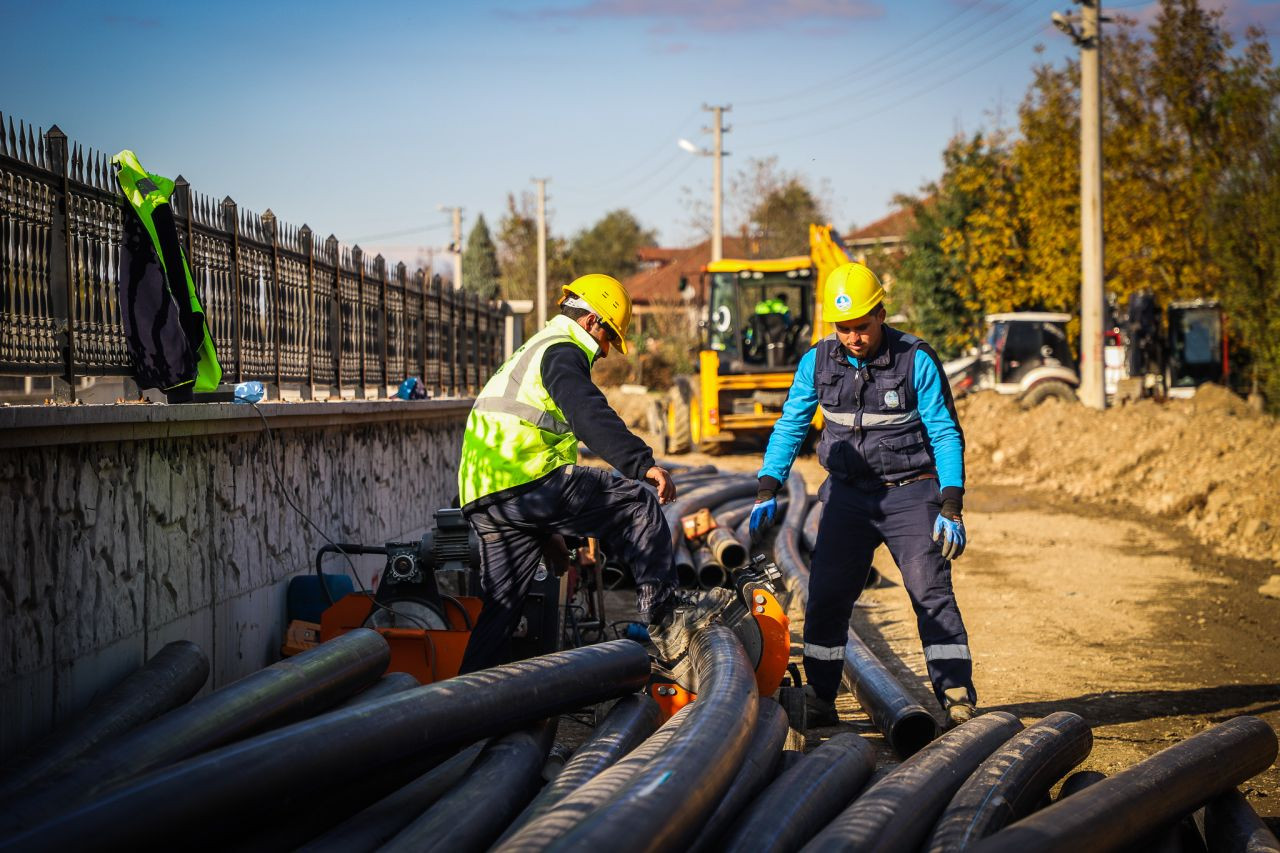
1120	617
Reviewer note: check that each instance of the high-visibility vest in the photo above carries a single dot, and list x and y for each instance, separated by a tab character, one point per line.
516	433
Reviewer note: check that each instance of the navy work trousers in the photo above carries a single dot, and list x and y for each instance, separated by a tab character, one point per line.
572	501
854	523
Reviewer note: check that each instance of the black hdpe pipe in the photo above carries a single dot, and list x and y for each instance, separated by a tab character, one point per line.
663	806
538	833
292	689
729	553
245	777
632	719
710	573
1078	781
805	797
1231	824
686	572
1013	781
905	723
497	786
809	532
377	824
1152	794
710	497
896	813
763	754
171	677
388	685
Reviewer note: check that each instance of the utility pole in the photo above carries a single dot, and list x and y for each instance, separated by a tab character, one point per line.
718	154
542	250
1093	391
456	248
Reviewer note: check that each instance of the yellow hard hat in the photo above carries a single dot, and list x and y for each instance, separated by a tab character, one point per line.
608	300
852	291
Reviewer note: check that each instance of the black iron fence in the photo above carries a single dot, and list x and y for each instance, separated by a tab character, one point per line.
283	306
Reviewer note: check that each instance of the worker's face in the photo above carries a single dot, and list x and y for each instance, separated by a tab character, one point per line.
861	335
599	332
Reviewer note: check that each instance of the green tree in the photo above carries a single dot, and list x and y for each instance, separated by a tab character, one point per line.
609	246
777	208
480	262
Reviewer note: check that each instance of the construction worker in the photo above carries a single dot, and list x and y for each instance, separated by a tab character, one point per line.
519	483
892	445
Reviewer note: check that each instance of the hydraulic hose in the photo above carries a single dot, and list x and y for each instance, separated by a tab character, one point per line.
763	754
1231	824
1013	781
538	833
1122	809
805	797
244	778
495	788
663	805
171	677
906	724
632	719
291	689
897	812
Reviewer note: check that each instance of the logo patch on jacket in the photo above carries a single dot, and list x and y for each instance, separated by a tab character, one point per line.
891	400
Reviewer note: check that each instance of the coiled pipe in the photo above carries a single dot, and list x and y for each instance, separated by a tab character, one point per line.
538	833
686	572
726	548
710	573
244	777
709	496
664	804
291	689
632	719
171	677
1151	794
897	812
1013	781
1078	781
495	788
805	797
763	754
1231	824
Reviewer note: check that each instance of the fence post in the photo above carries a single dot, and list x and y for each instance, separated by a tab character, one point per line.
62	303
402	326
422	277
310	325
357	260
182	191
230	222
335	317
384	320
277	314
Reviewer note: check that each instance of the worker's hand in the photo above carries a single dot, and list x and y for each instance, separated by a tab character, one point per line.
762	515
951	533
661	479
555	552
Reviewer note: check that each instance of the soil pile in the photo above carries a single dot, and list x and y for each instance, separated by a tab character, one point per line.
1211	463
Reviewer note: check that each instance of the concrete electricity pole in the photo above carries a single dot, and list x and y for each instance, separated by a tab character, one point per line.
542	251
1093	391
456	248
717	179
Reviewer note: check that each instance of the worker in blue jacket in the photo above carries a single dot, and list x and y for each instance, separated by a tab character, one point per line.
893	447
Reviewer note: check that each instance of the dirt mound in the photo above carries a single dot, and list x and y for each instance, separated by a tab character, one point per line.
1211	462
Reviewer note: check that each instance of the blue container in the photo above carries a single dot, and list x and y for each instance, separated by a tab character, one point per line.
306	599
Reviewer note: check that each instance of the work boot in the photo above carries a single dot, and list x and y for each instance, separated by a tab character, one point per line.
818	712
958	707
674	622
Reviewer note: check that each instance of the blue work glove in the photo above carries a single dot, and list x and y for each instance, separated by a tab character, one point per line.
766	507
949	528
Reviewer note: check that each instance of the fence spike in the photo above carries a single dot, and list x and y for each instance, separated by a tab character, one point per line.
22	141
4	147
43	160
31	147
13	140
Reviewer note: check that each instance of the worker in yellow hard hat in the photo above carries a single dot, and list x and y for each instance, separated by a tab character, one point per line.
894	450
520	486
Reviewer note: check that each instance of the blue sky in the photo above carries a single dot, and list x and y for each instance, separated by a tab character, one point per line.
361	119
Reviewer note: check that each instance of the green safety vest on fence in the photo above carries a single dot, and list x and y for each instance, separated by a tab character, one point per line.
165	324
516	433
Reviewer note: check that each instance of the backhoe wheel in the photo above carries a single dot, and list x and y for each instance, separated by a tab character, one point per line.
680	417
1049	388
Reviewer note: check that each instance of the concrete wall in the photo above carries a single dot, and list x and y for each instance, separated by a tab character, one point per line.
125	527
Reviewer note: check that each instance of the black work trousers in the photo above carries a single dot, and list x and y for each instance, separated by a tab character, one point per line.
573	501
854	523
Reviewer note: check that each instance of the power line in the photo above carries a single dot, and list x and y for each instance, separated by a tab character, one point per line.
417	229
638	164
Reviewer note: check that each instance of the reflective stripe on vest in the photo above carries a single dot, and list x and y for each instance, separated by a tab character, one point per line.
870	420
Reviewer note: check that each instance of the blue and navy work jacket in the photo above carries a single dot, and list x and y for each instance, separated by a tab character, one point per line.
888	419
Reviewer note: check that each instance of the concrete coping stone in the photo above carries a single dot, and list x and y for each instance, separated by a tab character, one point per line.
45	425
